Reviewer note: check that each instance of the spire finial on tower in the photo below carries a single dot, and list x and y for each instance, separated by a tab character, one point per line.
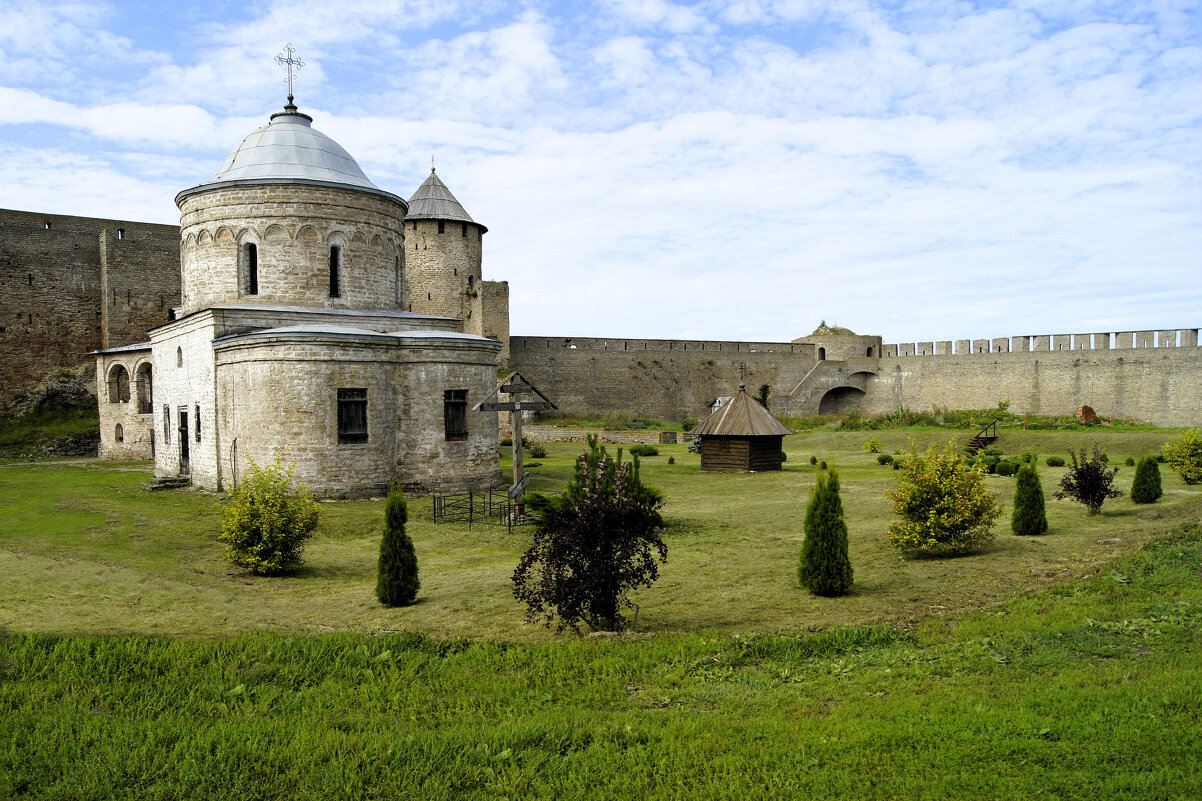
285	58
432	167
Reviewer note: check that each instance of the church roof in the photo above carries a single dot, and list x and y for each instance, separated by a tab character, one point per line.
289	150
742	416
433	201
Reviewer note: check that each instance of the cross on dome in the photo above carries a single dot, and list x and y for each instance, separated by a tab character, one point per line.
284	58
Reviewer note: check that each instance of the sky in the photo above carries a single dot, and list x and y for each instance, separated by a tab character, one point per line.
723	169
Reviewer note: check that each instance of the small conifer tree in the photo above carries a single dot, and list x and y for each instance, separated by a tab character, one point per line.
396	583
825	568
1029	516
1146	487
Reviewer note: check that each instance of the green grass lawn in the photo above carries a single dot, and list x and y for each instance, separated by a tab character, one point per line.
1062	666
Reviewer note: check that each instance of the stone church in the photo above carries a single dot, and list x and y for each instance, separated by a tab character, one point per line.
324	321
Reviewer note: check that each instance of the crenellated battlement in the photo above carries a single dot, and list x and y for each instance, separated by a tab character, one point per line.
1047	343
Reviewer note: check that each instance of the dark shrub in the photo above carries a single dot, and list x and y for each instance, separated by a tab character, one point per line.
1088	481
822	465
884	458
1104	458
671	460
537	450
644	450
506	441
1054	461
813	460
1146	486
825	568
1130	461
897	464
593	544
1029	515
396	579
1006	468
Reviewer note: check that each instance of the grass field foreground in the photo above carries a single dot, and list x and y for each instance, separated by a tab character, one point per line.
1089	690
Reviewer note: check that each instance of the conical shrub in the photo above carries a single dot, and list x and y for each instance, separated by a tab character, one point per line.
396	583
1029	516
825	568
1146	487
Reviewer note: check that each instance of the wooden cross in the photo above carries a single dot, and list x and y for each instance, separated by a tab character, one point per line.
516	386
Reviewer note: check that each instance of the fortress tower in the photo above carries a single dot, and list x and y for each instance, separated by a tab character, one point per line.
443	254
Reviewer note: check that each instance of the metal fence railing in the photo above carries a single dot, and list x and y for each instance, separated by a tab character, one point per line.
491	507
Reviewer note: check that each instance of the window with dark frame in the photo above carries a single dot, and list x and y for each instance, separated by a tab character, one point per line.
198	422
454	413
166	423
352	416
335	270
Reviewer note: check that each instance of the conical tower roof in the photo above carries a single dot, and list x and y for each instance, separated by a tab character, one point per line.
433	201
742	416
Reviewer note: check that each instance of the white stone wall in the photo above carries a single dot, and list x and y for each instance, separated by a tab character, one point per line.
136	428
185	386
279	398
294	227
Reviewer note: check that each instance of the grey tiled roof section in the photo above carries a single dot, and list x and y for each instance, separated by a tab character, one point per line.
289	149
122	349
433	201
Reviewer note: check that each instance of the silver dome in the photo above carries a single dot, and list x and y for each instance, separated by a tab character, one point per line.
289	150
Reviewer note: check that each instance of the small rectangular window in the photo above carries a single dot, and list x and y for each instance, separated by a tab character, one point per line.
464	229
442	226
335	269
454	413
198	422
252	269
352	416
166	423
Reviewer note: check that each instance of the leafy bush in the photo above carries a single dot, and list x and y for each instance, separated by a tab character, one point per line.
506	441
396	578
1129	461
822	465
1183	454
1030	514
825	568
872	445
1029	457
537	450
764	393
694	446
813	460
884	458
1088	481
268	520
1006	468
671	460
1104	458
897	464
687	424
1054	461
644	450
1146	487
592	545
784	457
943	505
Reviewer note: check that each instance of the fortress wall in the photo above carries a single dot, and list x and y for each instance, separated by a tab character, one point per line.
51	310
664	379
1162	385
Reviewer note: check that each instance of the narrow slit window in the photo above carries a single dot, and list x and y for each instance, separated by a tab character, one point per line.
252	269
121	233
167	423
464	229
197	418
335	271
119	433
442	226
454	412
352	416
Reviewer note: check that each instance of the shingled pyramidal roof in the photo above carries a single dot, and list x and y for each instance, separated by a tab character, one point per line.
433	201
741	416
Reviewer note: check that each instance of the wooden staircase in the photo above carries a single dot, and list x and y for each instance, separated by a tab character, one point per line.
984	437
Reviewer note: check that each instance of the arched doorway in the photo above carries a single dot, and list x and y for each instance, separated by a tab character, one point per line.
841	400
